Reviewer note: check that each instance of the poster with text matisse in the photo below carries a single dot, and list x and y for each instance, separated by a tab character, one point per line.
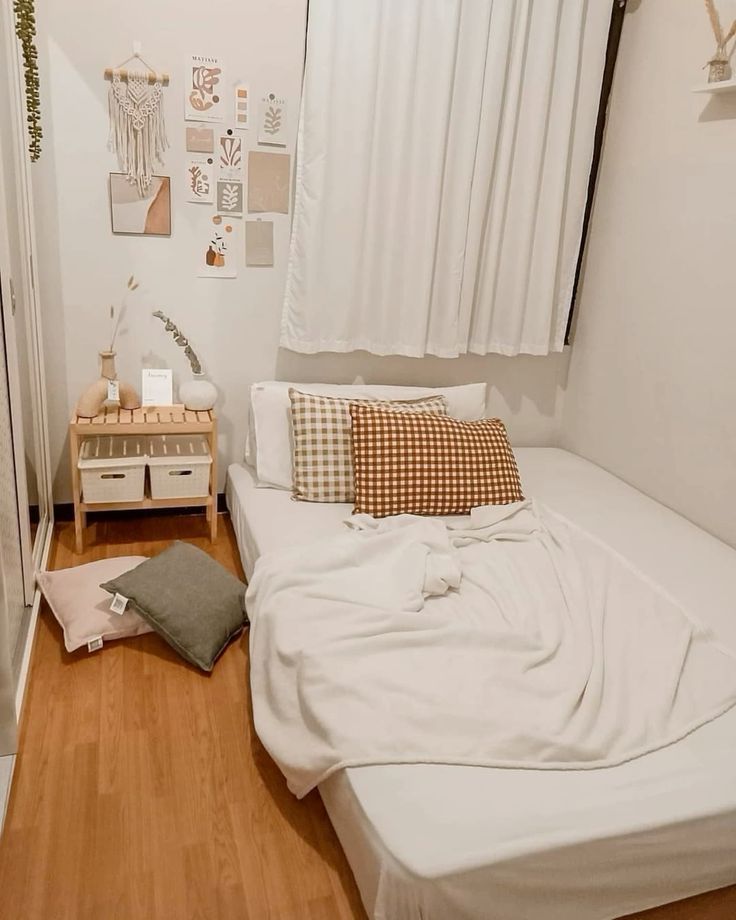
219	243
204	89
272	121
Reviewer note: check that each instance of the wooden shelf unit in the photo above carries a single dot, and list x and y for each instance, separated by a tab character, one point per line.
149	421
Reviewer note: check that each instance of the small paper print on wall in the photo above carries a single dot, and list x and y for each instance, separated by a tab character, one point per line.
200	181
149	215
230	197
201	140
268	182
259	243
241	114
203	89
230	156
272	121
218	248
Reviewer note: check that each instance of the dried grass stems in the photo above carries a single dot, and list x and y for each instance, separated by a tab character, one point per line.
116	316
722	52
181	340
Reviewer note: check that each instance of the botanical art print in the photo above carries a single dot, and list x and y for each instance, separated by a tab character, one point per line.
203	89
217	255
199	178
230	156
230	197
272	121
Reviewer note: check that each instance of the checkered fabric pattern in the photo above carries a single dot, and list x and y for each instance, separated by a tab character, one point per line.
424	464
322	450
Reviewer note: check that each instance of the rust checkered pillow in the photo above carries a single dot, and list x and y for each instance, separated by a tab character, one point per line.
322	451
427	464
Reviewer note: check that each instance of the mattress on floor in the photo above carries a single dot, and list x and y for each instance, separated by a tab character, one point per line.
448	842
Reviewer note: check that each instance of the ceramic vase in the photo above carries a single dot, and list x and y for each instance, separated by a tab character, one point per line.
93	398
199	393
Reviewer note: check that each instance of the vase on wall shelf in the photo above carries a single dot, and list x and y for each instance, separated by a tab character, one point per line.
93	398
198	393
719	69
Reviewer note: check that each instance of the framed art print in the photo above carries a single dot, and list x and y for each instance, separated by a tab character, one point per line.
130	213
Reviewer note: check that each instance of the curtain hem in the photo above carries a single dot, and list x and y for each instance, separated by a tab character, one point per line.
411	351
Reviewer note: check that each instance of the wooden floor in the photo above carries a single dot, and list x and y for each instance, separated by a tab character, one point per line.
142	792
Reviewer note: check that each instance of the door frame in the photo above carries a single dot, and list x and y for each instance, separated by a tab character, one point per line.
24	289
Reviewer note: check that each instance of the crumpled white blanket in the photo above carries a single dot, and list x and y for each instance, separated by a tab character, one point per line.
517	641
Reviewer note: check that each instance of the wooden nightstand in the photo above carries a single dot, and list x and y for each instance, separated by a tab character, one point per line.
148	421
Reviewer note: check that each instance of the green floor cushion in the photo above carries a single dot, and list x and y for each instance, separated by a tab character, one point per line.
188	598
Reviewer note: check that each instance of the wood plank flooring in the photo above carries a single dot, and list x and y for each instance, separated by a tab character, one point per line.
142	792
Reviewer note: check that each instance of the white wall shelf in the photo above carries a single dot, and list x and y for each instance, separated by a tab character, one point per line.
724	86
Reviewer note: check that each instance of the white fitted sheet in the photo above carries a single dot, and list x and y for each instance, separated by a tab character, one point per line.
441	842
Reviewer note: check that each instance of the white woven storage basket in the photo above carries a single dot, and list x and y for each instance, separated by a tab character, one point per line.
179	466
113	469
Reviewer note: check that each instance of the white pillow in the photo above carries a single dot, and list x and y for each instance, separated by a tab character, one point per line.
82	607
269	436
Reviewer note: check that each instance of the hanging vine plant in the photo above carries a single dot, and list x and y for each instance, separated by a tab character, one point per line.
25	29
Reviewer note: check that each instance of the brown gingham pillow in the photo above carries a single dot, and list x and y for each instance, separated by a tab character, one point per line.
322	451
425	464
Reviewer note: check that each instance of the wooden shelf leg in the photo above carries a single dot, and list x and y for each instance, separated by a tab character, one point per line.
213	482
79	515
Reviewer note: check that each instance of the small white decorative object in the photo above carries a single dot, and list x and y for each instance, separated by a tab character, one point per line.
137	126
198	394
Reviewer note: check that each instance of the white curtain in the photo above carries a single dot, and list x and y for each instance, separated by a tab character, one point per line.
442	165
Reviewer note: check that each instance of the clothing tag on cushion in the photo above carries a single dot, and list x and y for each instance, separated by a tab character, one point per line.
118	604
94	645
113	390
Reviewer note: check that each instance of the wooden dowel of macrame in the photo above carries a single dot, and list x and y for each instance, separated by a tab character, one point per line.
162	78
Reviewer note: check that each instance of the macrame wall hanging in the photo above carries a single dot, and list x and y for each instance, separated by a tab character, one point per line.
137	126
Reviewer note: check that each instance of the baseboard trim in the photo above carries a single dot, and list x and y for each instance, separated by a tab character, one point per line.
64	511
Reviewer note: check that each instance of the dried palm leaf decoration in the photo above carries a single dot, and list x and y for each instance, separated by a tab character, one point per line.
137	126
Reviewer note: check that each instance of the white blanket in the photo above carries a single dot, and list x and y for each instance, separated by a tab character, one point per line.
519	641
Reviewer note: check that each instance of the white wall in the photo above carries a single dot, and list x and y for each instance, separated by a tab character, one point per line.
652	386
233	324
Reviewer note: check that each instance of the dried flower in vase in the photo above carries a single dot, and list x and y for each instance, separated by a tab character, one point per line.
116	317
181	340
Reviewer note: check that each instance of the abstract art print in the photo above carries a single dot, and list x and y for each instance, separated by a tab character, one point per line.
268	182
272	121
218	247
230	197
149	215
200	179
204	86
